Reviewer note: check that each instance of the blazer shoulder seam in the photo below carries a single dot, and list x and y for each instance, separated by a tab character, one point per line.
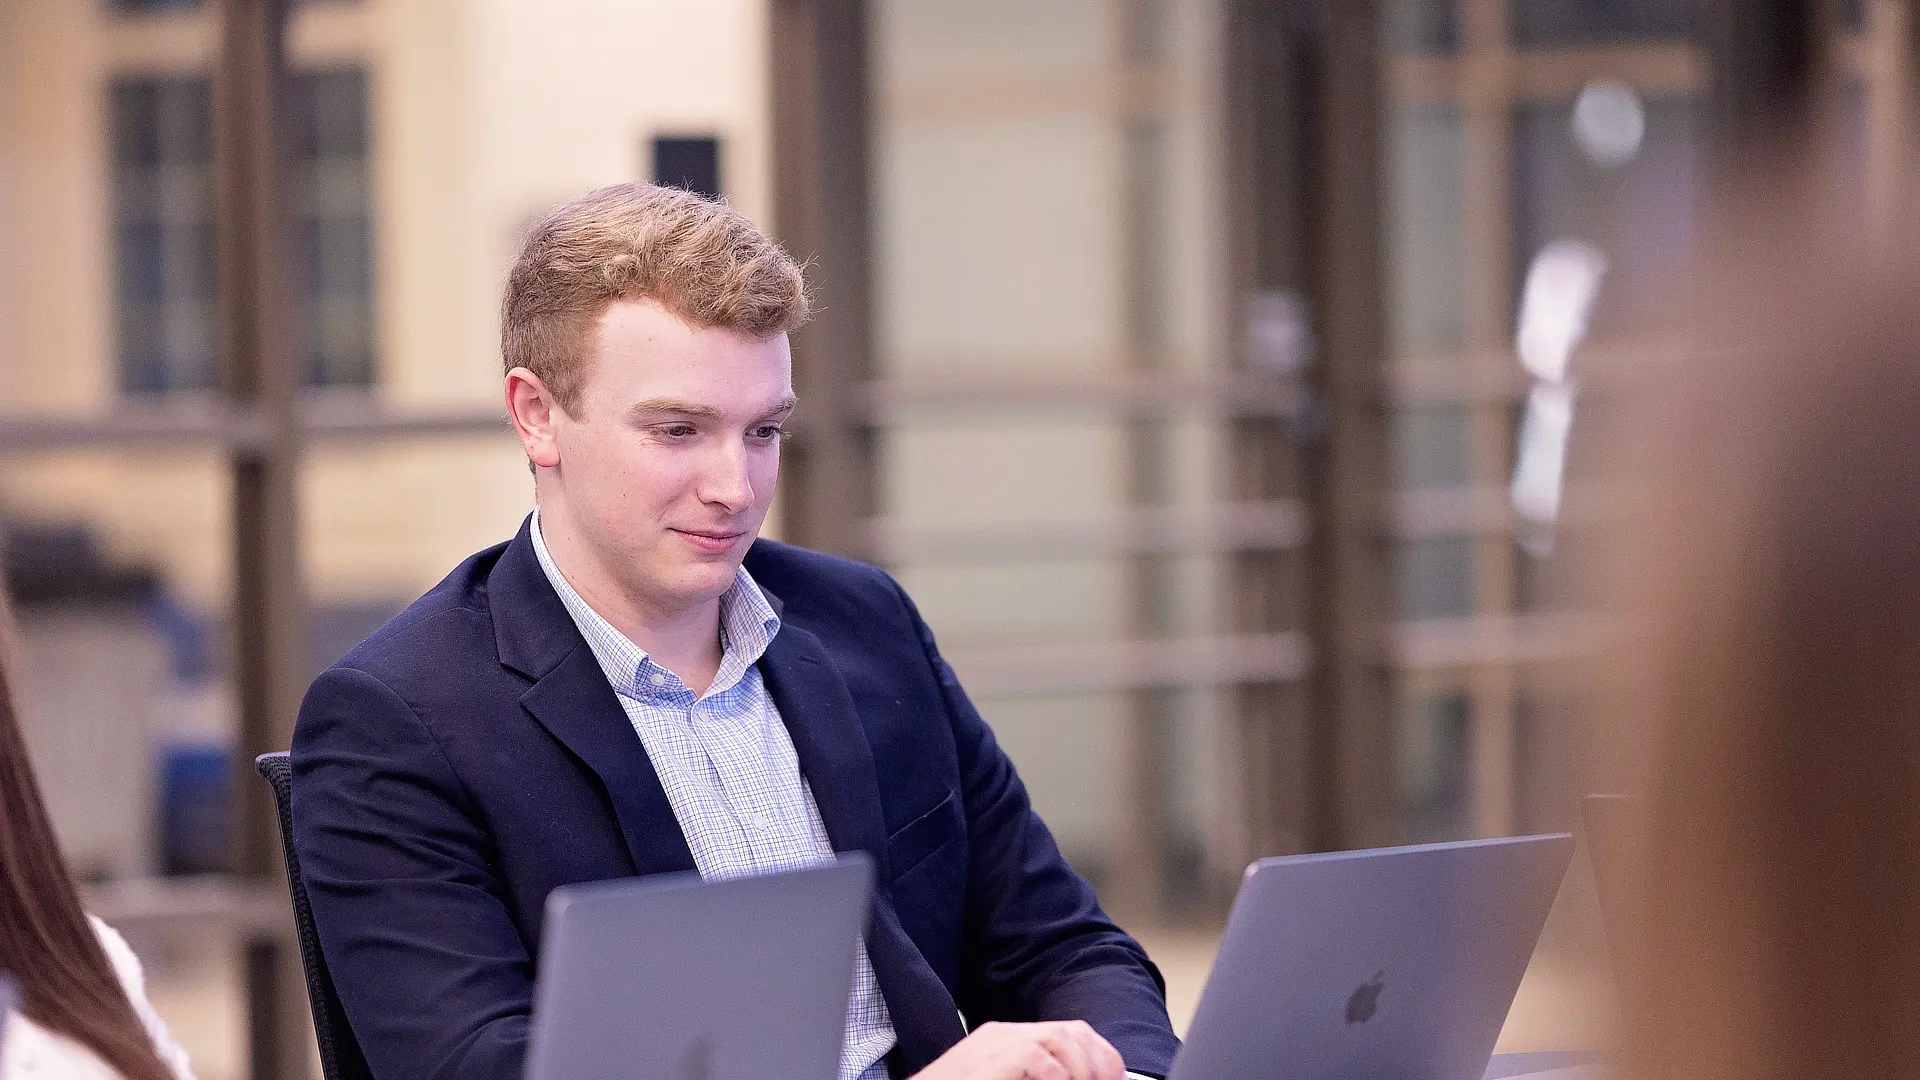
923	635
413	711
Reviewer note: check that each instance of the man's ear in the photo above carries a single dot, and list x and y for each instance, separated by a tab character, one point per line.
533	410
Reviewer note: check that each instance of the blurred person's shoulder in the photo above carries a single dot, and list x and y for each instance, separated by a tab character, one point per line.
133	980
33	1051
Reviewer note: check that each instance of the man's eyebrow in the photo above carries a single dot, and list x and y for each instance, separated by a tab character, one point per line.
670	407
653	407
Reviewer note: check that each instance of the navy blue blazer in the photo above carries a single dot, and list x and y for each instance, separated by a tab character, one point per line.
470	756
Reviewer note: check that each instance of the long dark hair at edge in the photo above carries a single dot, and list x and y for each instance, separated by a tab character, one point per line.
67	984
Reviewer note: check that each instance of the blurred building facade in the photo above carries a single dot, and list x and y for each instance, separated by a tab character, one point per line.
423	136
1070	370
1192	507
1049	404
1514	126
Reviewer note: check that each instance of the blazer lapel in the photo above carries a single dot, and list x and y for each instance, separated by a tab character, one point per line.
577	705
572	699
829	741
837	762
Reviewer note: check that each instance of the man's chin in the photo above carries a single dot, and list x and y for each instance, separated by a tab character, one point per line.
707	578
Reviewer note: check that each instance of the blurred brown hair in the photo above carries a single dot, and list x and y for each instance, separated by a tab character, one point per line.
67	983
698	257
1774	564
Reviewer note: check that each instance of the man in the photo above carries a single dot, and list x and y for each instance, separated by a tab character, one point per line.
636	685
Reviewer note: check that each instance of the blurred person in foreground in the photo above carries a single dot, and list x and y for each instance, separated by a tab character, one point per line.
636	684
1775	566
84	1013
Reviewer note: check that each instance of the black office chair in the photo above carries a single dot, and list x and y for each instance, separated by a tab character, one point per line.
340	1057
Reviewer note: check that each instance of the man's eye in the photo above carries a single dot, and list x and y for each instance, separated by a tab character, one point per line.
767	432
678	431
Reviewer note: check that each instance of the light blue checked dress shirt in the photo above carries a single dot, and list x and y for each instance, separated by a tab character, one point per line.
729	770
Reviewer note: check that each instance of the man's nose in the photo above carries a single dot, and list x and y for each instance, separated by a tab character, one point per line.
725	481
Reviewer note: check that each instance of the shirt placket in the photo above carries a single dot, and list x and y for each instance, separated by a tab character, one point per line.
692	781
744	784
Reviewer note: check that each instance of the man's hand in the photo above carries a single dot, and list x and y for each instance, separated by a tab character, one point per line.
1055	1050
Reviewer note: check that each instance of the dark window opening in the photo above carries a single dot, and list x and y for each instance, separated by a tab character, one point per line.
691	162
151	7
1585	22
165	270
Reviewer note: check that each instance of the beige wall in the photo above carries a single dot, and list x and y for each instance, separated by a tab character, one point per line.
484	112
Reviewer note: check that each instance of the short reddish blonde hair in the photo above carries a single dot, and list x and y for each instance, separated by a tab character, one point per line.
697	257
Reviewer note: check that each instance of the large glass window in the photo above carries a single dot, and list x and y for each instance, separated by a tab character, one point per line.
1561	120
1433	759
163	231
1040	251
1432	447
1423	26
1427	159
162	154
1636	206
333	233
1436	577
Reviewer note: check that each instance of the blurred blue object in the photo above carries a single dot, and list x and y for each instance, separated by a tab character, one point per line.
191	644
196	816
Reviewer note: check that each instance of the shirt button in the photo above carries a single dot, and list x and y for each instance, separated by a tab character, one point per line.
657	679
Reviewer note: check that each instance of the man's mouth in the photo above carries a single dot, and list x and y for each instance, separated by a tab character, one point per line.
712	540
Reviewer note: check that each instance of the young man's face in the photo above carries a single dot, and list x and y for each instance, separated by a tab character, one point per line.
669	457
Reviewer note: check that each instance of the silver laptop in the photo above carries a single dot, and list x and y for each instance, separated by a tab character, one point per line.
1392	964
679	979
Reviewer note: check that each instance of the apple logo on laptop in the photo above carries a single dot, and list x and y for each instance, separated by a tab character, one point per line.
1366	999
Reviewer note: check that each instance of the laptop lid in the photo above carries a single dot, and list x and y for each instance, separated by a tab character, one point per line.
678	979
1389	964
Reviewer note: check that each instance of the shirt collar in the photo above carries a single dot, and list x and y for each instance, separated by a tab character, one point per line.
747	626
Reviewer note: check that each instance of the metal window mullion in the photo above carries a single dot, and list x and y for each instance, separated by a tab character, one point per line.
258	374
821	105
1147	713
1273	789
1490	94
1350	745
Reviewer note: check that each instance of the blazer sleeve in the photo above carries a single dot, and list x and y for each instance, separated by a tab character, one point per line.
1037	945
431	970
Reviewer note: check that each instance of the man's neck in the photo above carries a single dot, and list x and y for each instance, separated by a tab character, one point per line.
685	641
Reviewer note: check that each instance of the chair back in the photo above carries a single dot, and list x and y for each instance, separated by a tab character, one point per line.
340	1057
